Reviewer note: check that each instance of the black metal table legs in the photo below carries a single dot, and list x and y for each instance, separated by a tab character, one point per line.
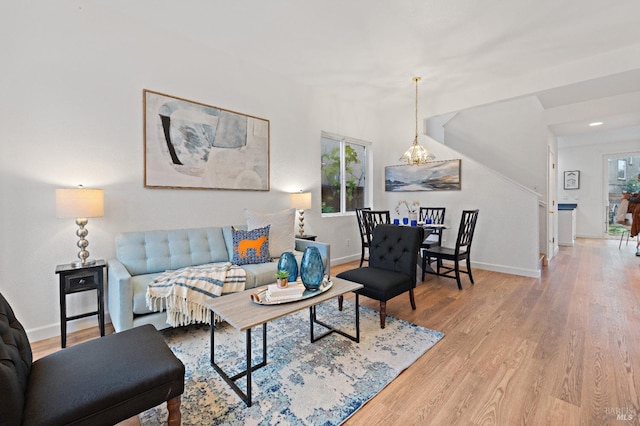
313	320
231	380
249	368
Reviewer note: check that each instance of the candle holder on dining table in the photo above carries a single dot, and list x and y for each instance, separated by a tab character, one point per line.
406	221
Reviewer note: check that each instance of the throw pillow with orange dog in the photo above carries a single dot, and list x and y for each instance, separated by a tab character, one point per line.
251	246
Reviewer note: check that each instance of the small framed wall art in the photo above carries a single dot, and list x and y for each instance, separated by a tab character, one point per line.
572	179
189	145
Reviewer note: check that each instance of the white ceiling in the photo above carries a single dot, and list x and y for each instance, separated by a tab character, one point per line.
369	50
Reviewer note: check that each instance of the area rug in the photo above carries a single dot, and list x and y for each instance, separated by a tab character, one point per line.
304	383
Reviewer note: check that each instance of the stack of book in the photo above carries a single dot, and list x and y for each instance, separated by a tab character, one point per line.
292	292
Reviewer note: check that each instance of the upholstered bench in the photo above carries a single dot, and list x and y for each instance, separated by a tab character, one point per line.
99	382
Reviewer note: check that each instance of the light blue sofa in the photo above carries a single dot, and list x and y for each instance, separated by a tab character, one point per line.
142	256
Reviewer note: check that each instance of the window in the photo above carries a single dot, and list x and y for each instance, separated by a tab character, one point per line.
344	171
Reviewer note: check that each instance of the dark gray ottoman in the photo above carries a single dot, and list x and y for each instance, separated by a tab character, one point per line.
100	382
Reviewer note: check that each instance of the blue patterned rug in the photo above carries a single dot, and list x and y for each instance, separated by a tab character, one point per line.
321	383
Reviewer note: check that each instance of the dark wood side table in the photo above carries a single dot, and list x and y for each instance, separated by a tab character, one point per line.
307	237
74	280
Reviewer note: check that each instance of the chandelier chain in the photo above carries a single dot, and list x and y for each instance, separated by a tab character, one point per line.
417	154
416	79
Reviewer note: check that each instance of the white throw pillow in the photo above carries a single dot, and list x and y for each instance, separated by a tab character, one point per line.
282	232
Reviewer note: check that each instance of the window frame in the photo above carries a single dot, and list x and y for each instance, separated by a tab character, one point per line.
368	167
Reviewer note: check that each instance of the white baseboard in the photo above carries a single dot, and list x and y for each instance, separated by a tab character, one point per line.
345	259
53	330
531	273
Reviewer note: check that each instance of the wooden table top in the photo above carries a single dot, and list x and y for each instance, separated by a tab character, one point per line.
242	313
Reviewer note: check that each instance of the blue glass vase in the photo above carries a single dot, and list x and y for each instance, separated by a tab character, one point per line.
288	263
311	268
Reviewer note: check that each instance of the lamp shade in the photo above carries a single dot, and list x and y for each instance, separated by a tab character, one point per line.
79	202
301	200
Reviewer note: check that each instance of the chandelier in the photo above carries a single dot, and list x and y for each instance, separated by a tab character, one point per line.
417	154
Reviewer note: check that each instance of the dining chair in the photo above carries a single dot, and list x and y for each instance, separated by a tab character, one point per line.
462	250
364	238
433	215
373	218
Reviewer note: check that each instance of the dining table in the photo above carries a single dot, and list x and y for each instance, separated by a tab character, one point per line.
428	229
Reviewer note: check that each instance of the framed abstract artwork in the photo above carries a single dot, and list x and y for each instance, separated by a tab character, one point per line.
572	179
190	145
432	176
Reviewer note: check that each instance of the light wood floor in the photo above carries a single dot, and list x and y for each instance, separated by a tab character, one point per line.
560	350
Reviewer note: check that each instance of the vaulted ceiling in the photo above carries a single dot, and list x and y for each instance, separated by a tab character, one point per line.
367	50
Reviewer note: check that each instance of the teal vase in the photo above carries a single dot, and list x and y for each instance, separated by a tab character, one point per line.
289	263
311	268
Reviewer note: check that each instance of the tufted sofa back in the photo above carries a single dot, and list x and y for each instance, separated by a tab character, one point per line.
15	365
157	251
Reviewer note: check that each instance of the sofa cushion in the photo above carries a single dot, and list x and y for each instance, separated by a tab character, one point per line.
264	273
282	231
139	283
157	251
250	246
259	274
227	232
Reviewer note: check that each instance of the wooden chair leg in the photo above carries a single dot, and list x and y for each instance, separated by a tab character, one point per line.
383	314
469	270
412	299
173	406
457	269
340	301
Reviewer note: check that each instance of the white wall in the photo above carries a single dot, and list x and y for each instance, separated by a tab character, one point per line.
509	137
71	113
506	238
591	198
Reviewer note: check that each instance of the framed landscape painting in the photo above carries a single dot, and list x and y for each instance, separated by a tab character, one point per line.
432	176
191	145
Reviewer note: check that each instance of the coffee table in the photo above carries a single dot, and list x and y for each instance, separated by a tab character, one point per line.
243	314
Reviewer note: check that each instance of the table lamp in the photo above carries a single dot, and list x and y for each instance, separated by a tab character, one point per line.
301	201
80	203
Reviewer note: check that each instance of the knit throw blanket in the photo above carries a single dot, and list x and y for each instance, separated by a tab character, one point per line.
186	292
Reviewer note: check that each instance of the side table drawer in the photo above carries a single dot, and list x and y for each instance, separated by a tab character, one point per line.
80	282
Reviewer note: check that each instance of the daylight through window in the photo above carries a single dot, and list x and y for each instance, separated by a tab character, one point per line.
344	169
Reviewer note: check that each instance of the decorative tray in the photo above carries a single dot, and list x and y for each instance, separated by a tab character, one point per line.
260	295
